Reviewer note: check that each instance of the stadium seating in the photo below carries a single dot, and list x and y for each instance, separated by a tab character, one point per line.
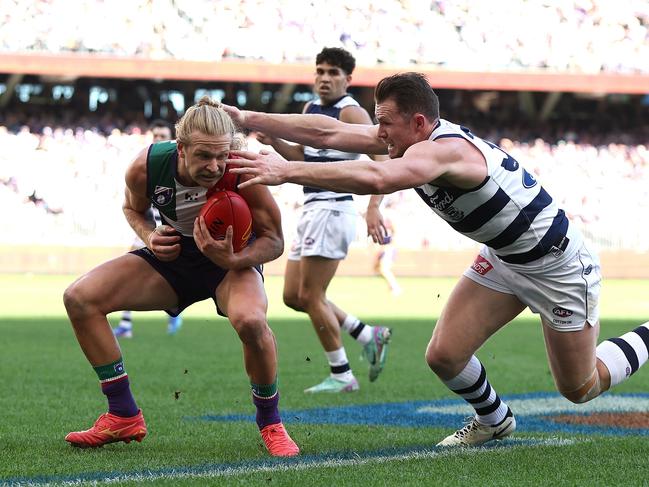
583	36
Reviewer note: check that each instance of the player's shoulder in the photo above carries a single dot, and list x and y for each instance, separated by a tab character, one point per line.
162	149
347	100
139	160
136	172
442	151
309	105
355	114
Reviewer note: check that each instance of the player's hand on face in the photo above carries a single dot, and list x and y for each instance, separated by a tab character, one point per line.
220	252
164	242
265	167
375	225
235	114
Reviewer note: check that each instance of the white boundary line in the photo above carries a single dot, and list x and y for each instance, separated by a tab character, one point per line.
308	463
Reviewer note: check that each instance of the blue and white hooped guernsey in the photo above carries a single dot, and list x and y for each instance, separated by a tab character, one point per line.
509	211
327	155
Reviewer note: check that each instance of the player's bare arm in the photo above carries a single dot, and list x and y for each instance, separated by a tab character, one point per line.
373	217
421	163
318	131
162	241
266	224
288	150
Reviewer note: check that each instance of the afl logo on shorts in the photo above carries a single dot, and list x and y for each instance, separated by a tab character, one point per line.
481	265
561	312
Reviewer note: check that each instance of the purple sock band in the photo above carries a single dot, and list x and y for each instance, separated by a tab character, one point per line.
267	410
120	399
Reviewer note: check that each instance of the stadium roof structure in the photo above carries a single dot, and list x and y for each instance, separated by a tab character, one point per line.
87	65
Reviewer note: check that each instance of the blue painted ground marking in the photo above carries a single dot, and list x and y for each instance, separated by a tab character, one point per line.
532	411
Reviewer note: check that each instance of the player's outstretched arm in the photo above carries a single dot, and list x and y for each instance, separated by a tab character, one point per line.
419	165
288	150
318	131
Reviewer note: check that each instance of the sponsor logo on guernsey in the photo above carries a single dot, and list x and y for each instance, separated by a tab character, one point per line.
162	195
192	196
442	201
561	312
481	265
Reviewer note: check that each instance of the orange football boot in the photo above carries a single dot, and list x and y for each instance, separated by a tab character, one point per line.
278	442
109	429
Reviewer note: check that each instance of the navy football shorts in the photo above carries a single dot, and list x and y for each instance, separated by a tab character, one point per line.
192	276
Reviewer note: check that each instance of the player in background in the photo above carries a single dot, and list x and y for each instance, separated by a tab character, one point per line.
182	264
387	252
532	255
326	228
160	131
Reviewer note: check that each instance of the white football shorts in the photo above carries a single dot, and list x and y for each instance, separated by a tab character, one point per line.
565	292
324	232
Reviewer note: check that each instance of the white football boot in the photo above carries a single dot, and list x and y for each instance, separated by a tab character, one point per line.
476	434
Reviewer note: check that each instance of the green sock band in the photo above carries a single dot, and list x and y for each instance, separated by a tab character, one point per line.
264	390
110	371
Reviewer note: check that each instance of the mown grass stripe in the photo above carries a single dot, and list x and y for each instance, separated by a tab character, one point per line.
343	459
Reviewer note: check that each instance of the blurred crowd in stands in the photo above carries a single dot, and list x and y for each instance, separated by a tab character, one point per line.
64	185
564	35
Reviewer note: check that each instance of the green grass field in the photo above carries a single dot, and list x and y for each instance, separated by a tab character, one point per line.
49	389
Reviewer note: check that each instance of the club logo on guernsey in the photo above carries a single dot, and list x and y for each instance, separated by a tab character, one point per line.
481	265
529	181
162	195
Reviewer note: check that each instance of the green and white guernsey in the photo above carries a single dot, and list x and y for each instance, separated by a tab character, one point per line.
178	205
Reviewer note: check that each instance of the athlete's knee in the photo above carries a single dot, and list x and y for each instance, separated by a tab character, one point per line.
578	398
588	390
293	301
251	326
441	360
76	301
310	300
